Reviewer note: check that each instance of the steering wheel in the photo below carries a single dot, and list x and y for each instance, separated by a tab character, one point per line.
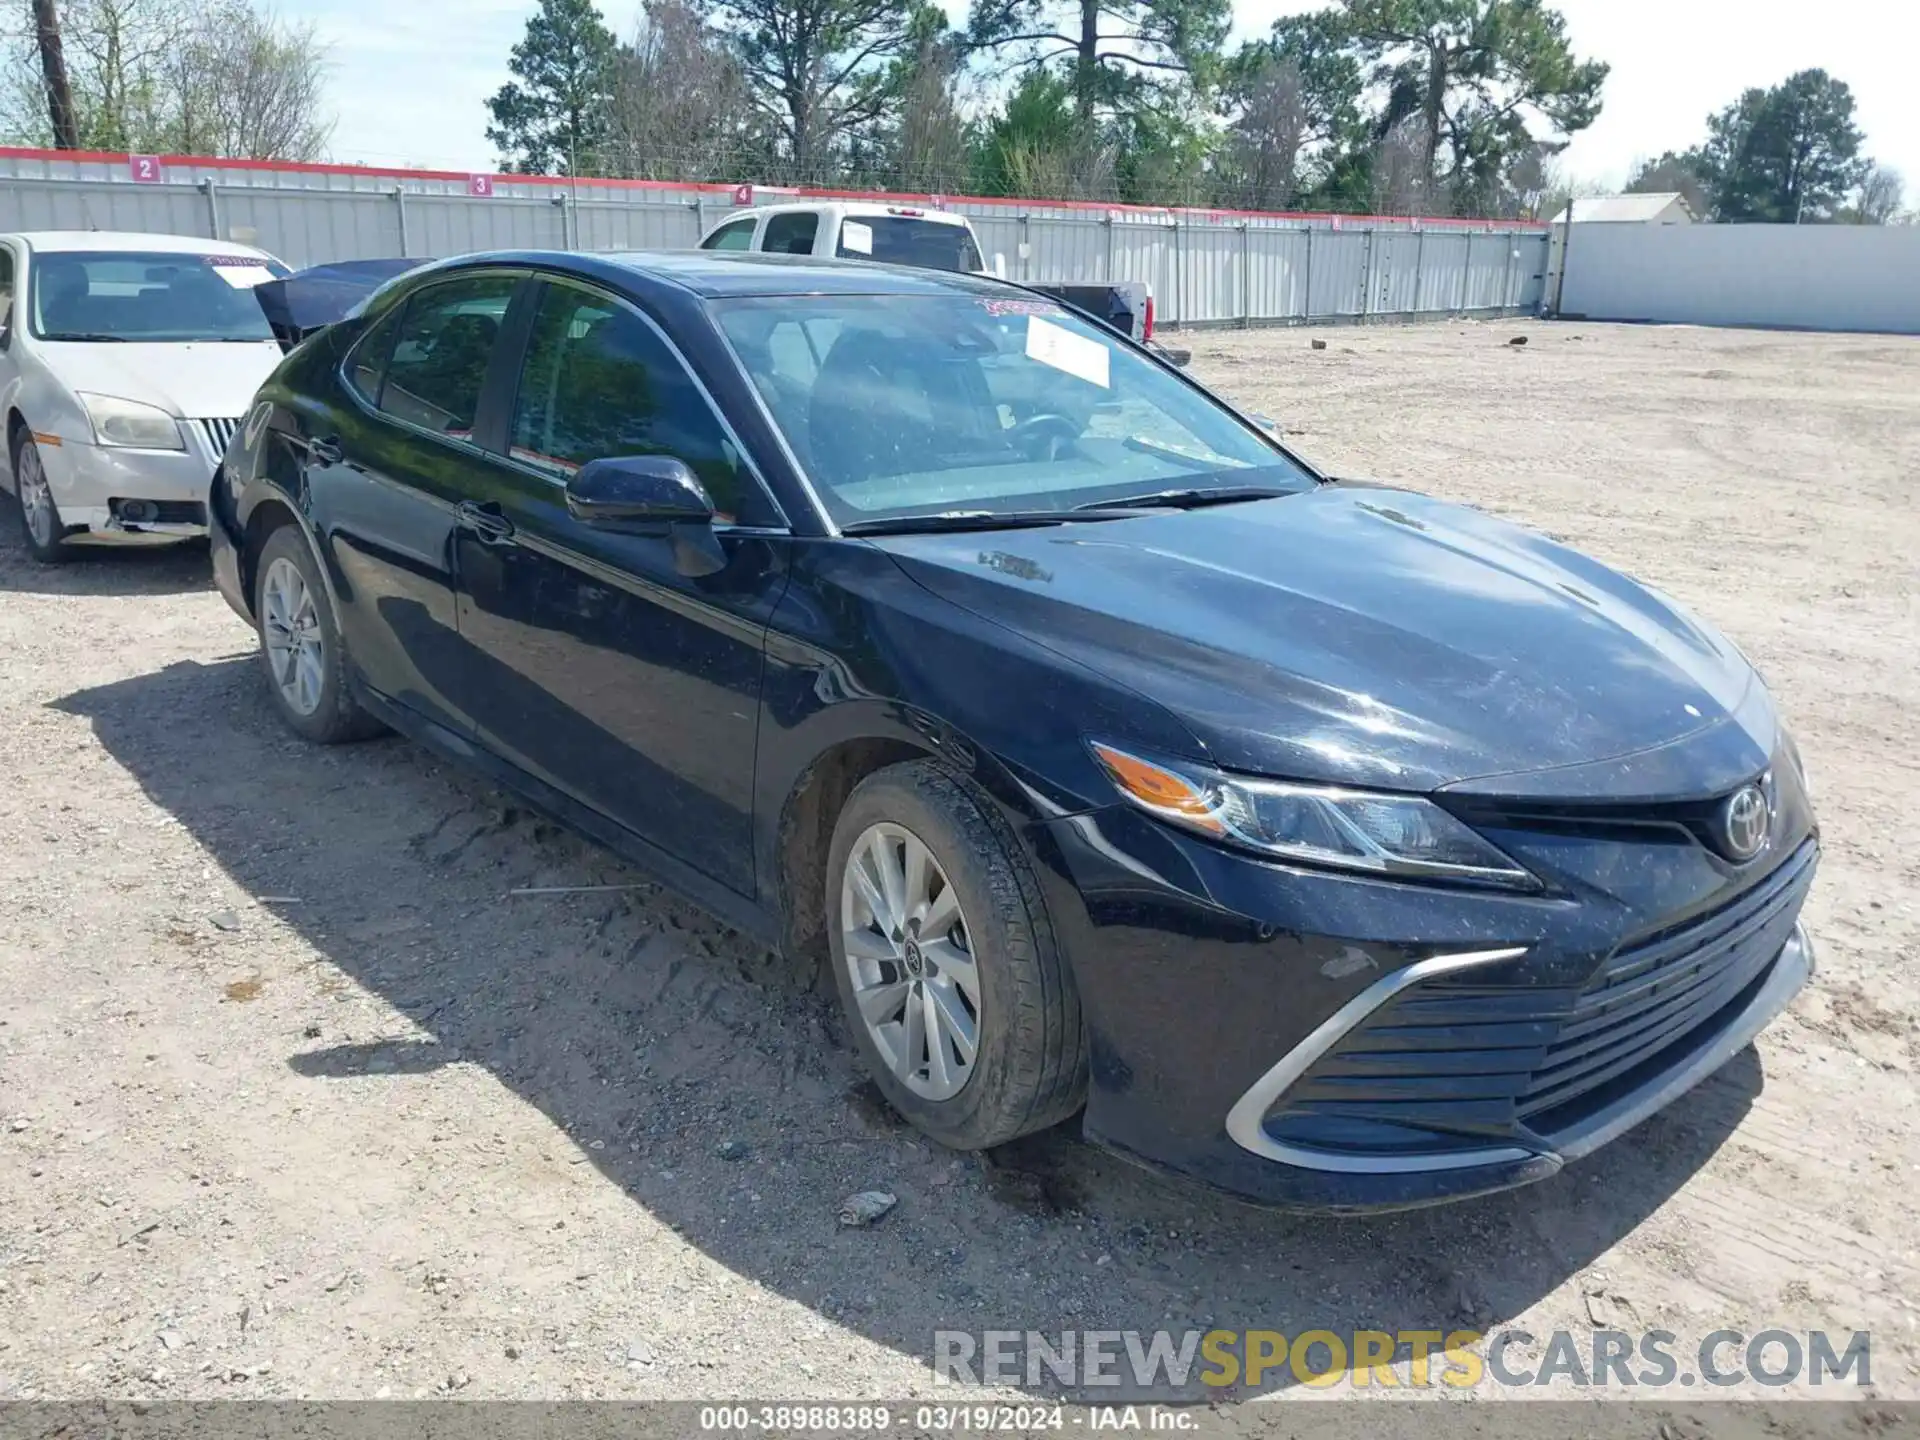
1044	436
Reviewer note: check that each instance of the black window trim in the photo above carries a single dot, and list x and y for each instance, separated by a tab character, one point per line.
509	396
523	281
397	313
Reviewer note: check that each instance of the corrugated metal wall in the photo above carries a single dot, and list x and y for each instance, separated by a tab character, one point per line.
1206	267
1802	277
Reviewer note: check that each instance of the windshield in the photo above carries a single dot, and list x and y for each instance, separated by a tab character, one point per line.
900	405
903	240
149	296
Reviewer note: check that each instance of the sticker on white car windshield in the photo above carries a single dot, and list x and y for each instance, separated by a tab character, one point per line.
240	273
1073	354
856	237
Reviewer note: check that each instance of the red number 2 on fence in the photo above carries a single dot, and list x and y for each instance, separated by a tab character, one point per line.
145	169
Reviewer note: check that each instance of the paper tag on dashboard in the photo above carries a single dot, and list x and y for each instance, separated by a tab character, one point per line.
856	237
243	277
1073	354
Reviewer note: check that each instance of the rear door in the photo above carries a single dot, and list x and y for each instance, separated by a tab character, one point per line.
387	474
617	680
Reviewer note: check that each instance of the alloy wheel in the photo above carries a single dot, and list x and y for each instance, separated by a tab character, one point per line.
910	958
290	626
36	497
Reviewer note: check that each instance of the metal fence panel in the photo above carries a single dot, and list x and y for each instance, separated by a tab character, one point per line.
1337	273
31	204
1205	267
306	227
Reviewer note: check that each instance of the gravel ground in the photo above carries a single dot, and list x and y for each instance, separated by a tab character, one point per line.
296	1099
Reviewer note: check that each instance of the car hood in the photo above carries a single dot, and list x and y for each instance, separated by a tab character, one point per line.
196	380
1377	637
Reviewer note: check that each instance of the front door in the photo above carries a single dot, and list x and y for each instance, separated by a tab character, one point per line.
386	473
622	682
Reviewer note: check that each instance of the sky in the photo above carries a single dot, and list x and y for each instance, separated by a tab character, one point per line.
410	78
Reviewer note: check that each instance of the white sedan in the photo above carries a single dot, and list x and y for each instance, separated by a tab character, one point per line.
126	363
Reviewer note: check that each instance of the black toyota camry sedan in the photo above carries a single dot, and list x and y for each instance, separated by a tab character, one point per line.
1322	842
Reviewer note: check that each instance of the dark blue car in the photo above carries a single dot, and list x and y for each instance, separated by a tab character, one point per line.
1325	843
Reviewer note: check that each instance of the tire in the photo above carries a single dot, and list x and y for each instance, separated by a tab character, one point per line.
39	522
1029	1067
301	649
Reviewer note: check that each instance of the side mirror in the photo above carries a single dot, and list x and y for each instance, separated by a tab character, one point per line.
624	491
650	495
1264	422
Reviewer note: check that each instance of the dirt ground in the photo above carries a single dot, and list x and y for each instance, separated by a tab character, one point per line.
297	1099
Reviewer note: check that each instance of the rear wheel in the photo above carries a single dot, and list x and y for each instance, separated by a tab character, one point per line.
301	645
961	1006
39	516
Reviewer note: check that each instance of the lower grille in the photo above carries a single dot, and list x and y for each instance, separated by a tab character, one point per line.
1484	1057
1652	993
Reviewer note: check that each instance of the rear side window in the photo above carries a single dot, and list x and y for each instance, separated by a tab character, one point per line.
791	234
599	382
440	357
734	235
6	286
368	361
903	240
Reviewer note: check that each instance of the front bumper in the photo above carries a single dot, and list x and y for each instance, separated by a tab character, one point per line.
224	541
1335	1043
130	496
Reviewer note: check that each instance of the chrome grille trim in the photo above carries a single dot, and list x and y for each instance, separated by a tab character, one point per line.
215	435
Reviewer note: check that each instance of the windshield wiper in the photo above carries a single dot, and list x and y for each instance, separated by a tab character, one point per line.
84	335
1190	499
976	520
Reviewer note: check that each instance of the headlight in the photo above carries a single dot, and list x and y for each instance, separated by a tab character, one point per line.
130	423
1321	825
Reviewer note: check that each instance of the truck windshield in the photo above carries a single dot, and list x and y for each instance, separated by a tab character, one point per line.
149	296
904	405
905	240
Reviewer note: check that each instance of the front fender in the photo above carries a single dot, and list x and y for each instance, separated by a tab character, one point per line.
862	662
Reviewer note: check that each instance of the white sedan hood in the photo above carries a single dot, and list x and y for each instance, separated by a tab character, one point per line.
196	380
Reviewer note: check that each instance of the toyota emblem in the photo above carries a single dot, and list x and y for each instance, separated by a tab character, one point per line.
1745	821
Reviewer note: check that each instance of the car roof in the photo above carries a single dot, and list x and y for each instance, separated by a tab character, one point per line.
50	241
716	274
858	209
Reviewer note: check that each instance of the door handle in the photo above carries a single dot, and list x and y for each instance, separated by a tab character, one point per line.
485	520
324	450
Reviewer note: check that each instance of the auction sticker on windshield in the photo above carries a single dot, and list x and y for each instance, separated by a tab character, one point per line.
240	271
857	237
1073	354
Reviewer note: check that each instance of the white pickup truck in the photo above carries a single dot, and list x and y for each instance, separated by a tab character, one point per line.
931	239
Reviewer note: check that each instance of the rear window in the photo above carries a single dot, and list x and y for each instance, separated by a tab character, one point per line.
905	240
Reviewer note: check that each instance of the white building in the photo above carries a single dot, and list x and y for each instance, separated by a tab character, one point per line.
1658	208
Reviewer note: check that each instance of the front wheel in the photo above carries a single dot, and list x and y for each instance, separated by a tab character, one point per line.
301	646
960	1003
39	516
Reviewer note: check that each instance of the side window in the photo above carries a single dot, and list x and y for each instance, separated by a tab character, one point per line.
599	382
791	234
6	286
368	361
734	235
441	353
